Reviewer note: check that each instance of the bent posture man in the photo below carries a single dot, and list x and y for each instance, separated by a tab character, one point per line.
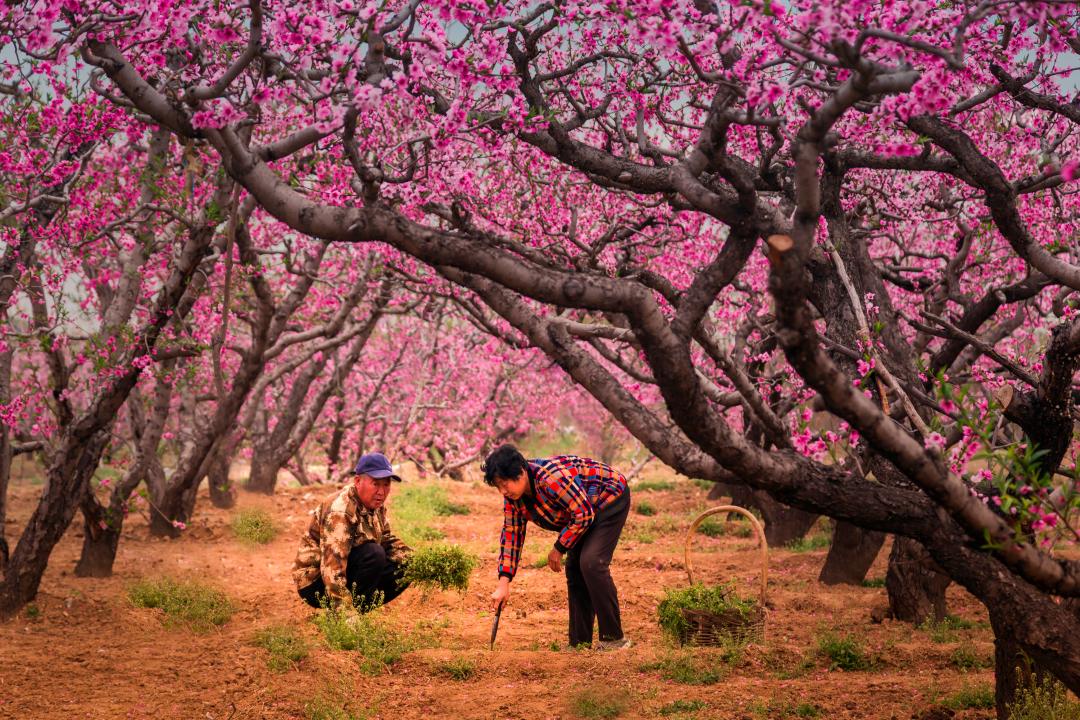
586	502
348	551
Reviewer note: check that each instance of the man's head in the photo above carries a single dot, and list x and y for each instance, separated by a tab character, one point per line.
372	478
506	470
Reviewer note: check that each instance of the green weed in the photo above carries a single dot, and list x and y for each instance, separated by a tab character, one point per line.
979	697
1045	699
809	543
33	612
787	666
285	645
718	599
323	709
378	645
254	527
873	583
443	566
843	652
944	630
685	668
591	703
416	505
653	486
457	669
711	527
682	706
966	657
646	508
185	602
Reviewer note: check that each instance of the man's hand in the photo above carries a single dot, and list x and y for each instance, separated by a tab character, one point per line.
555	560
502	592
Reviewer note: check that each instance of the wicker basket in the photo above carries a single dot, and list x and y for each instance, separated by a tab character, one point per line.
708	628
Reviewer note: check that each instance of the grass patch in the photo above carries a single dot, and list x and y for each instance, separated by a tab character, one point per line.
378	645
653	485
460	669
682	706
33	612
966	657
186	602
642	536
844	652
703	484
686	668
285	645
646	508
787	665
977	697
323	709
1045	699
711	527
717	599
597	704
873	583
254	527
416	506
944	630
809	543
443	566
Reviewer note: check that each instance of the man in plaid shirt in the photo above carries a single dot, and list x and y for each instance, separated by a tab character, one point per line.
586	502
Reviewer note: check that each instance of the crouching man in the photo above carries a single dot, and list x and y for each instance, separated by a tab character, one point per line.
348	552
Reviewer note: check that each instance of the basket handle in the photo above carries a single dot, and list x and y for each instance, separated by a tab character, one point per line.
758	530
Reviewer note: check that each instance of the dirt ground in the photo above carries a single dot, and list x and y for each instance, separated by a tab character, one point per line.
88	653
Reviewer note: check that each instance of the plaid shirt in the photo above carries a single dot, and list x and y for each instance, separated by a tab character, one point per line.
567	492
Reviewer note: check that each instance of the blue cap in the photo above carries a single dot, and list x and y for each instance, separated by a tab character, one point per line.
375	465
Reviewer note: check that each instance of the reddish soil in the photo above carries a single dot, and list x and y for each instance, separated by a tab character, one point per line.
88	653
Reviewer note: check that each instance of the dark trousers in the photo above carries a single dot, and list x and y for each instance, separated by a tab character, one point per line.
589	586
368	573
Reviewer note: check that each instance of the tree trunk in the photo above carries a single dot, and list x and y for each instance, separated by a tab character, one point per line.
100	541
170	514
222	492
915	584
160	512
1013	668
67	478
852	553
333	453
264	470
5	453
783	524
273	450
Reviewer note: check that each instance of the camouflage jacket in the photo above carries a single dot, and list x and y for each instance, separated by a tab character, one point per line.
339	524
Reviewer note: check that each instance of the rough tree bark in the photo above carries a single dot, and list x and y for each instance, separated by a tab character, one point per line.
78	450
222	491
270	452
916	587
851	554
6	454
103	525
177	500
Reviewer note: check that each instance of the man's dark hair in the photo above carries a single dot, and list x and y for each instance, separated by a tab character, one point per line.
504	463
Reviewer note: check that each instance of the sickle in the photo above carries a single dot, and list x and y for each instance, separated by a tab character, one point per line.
495	626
